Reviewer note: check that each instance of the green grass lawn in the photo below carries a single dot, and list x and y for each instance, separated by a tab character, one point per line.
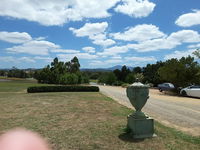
84	121
17	85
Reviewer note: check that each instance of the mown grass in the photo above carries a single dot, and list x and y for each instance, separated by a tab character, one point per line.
17	85
84	121
94	81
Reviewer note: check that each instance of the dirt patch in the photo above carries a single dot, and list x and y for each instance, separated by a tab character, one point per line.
4	80
154	93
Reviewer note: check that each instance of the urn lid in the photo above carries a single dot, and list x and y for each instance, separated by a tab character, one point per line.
138	84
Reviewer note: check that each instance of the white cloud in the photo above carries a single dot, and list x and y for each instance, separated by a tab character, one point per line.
17	60
67	57
90	29
108	63
56	12
89	49
179	54
139	33
113	51
64	51
136	8
151	45
116	60
197	46
173	40
46	59
185	36
97	63
26	59
141	59
15	37
7	59
96	32
34	47
189	19
104	42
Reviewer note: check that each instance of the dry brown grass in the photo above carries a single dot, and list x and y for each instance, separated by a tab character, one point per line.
84	121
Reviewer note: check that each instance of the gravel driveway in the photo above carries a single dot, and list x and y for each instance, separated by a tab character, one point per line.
181	113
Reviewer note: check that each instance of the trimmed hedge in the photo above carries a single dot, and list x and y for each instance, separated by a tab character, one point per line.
37	89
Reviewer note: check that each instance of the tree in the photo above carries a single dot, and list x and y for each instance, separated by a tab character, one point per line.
69	78
44	75
85	78
102	78
139	77
150	73
108	78
2	72
111	78
14	72
181	73
137	70
94	75
62	73
117	73
197	53
124	72
75	65
130	78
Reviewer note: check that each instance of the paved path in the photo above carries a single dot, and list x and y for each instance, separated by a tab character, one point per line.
178	112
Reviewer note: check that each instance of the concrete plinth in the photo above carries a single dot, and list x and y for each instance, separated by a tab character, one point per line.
141	128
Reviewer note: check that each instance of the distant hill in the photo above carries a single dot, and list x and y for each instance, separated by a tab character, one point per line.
105	69
96	70
82	69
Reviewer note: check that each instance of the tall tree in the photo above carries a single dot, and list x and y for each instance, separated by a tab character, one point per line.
139	77
130	78
137	70
124	72
60	72
197	53
181	72
117	73
75	65
150	73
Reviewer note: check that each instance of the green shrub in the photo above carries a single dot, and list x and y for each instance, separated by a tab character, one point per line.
125	85
108	78
150	84
130	78
37	89
82	78
68	78
118	83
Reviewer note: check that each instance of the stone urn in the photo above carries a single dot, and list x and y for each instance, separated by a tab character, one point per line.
138	94
139	125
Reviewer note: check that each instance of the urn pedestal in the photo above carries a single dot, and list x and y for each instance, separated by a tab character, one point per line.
140	125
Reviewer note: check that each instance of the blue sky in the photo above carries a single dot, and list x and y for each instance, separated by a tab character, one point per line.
100	33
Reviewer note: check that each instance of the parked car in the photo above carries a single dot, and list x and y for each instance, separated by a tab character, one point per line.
165	87
193	91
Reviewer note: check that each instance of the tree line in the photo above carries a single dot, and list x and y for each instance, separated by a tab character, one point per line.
181	72
17	73
59	72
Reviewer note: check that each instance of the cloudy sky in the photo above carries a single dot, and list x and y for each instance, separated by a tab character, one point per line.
101	33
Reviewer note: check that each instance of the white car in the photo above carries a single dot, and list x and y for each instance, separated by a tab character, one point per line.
193	91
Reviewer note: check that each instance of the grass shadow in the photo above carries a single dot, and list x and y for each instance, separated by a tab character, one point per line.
127	137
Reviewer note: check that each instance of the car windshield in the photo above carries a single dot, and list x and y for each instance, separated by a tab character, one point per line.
195	86
170	85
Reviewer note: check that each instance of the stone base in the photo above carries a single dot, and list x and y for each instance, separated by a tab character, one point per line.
141	128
